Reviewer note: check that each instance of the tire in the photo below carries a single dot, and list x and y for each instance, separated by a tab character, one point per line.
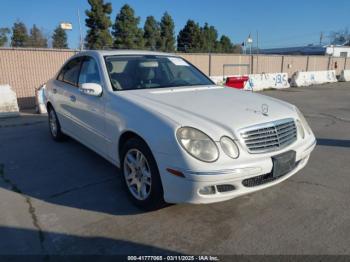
55	126
140	175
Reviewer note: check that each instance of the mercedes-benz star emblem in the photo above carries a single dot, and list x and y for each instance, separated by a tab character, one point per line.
264	109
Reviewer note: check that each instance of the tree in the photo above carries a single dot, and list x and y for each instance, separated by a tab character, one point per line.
59	38
152	34
237	49
98	22
4	31
340	37
19	35
36	38
167	33
126	33
209	37
226	45
189	38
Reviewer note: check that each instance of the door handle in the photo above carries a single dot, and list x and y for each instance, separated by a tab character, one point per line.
54	90
73	98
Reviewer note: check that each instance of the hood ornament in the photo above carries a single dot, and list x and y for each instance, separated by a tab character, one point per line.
264	110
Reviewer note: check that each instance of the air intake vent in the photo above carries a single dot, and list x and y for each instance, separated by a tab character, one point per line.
225	188
262	179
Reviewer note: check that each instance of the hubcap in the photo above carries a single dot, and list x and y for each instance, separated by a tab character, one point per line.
137	174
53	123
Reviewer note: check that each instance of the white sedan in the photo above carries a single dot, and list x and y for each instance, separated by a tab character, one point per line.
176	136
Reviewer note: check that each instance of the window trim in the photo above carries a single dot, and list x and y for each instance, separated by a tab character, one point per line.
143	55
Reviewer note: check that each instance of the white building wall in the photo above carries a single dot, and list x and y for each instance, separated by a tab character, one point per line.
338	51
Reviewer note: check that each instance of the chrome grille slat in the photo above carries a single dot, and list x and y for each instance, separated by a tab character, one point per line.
269	133
287	139
260	131
258	141
286	134
270	136
283	127
260	137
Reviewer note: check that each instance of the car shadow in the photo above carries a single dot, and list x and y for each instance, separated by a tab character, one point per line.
333	142
19	241
67	174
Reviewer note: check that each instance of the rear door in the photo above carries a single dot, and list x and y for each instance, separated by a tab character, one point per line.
65	84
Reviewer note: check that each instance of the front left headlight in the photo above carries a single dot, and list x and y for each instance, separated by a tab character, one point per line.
304	122
197	144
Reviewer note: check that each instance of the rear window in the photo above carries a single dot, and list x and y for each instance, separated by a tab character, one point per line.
70	72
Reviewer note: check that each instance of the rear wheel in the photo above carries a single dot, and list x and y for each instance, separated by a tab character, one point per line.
141	175
54	125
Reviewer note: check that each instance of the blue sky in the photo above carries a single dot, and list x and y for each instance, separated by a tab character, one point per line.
280	23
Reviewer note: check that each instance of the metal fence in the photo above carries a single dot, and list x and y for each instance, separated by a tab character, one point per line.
26	69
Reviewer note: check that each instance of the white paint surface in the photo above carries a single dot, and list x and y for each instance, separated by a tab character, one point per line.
8	102
313	78
259	82
40	100
345	76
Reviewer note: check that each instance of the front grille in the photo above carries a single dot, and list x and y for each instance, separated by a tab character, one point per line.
262	179
270	136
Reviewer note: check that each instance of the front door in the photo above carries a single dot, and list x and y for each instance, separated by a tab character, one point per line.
88	112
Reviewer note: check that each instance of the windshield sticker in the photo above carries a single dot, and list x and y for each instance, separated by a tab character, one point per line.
178	61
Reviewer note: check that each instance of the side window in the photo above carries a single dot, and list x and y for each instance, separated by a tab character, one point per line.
89	72
70	72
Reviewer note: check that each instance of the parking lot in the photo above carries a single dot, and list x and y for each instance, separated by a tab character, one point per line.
62	198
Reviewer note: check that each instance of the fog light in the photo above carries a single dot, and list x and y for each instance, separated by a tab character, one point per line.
207	190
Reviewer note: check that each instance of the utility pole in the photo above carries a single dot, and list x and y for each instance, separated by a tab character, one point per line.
81	33
257	42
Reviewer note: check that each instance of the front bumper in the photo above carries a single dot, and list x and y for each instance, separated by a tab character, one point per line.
186	190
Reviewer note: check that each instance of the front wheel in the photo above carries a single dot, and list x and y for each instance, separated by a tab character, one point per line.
141	175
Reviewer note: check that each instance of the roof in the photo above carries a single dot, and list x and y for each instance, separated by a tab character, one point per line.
124	52
299	50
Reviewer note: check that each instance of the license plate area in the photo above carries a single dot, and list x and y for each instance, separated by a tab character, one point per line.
283	163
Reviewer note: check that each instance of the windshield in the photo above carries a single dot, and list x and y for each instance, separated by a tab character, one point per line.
149	71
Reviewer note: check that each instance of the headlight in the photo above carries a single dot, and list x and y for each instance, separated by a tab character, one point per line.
229	147
304	122
197	144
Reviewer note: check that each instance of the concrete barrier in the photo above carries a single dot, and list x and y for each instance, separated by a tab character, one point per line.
313	78
8	102
258	82
40	100
345	76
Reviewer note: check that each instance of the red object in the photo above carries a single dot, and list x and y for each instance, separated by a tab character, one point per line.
236	81
175	172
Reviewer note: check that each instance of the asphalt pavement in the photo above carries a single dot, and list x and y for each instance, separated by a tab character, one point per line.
62	198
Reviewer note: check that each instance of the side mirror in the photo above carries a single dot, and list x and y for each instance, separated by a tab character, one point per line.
91	89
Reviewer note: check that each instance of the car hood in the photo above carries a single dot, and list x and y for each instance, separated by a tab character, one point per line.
212	107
